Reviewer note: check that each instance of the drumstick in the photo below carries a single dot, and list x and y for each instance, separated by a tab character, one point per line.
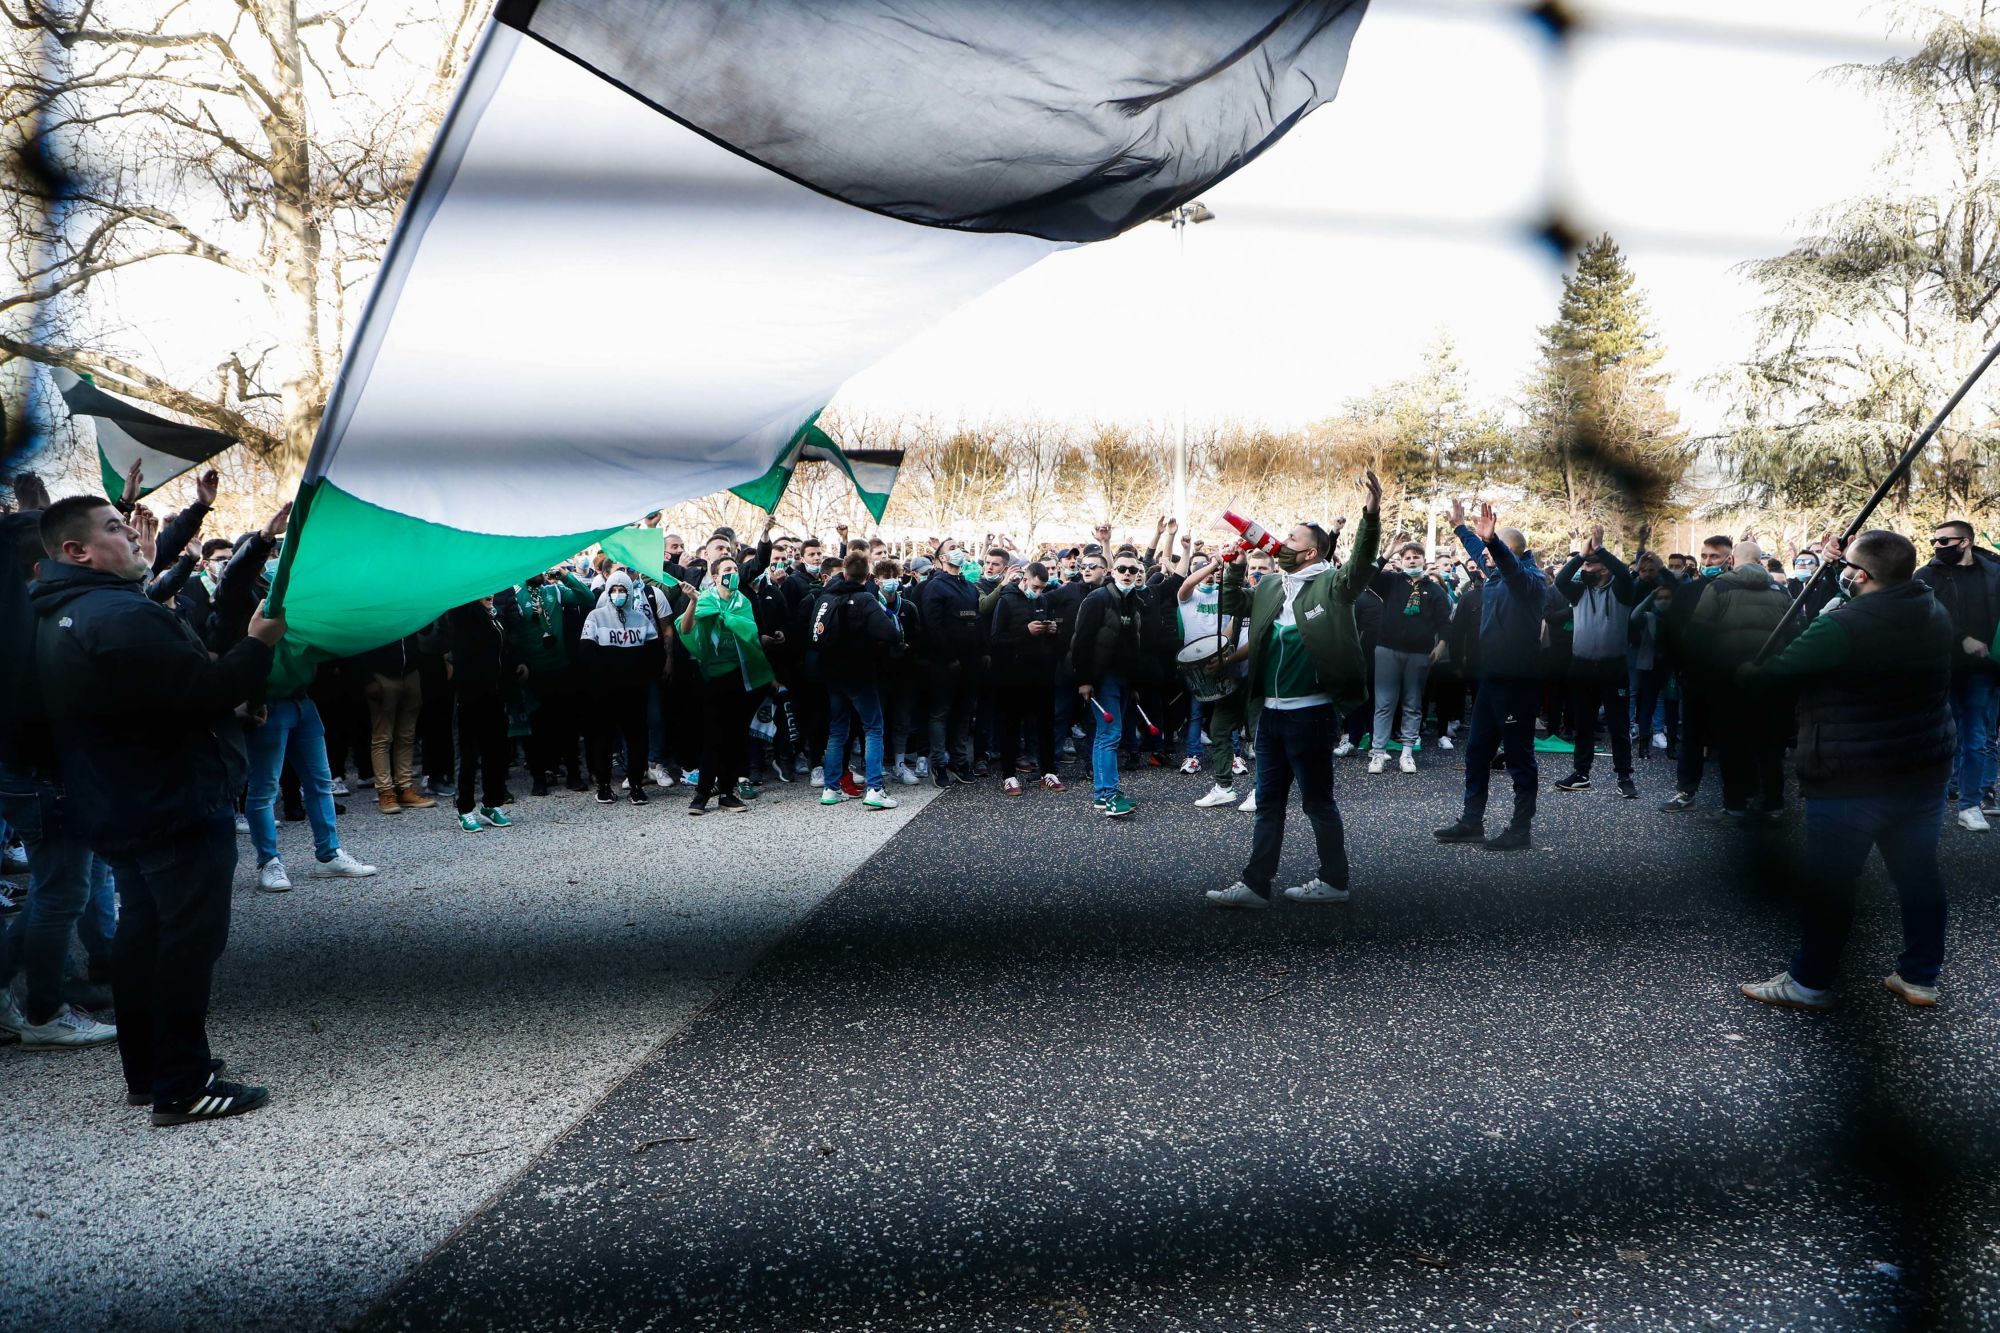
1151	730
1102	711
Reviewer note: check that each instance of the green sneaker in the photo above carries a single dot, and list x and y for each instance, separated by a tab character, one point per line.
497	818
1098	802
470	823
831	796
1117	807
746	792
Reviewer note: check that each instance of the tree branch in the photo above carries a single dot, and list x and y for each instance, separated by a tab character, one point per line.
135	382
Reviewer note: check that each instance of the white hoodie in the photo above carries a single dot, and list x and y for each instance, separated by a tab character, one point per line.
608	626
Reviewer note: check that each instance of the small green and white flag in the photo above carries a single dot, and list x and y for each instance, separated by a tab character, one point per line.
872	471
126	435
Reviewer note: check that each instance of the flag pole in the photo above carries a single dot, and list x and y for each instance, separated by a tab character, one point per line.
1896	474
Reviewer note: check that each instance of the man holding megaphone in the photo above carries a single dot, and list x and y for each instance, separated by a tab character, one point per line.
1306	669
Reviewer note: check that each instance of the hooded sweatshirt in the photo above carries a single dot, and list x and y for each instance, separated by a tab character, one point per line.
620	643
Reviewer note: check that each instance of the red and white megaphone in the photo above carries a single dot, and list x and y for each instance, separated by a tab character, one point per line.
1254	538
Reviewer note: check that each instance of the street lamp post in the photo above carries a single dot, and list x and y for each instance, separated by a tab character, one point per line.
1194	211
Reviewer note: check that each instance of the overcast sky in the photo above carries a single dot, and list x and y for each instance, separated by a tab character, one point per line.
1700	133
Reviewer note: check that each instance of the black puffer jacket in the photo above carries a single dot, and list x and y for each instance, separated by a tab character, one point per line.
1880	722
140	712
1111	637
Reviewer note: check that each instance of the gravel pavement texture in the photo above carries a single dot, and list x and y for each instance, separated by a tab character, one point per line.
1016	1074
424	1033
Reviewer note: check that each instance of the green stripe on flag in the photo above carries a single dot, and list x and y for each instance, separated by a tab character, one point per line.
361	575
640	548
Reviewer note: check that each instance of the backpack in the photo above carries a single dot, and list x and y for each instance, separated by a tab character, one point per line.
831	636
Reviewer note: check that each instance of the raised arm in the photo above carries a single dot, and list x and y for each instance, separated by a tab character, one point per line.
1359	570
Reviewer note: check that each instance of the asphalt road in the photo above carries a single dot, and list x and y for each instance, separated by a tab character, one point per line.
1015	1074
424	1033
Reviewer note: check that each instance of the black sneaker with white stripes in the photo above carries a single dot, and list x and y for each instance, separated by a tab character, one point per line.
218	1100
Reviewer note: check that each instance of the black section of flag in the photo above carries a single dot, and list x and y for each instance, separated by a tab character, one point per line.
190	444
1071	120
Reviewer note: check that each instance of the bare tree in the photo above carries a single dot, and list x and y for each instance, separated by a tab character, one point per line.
1128	474
272	145
1044	472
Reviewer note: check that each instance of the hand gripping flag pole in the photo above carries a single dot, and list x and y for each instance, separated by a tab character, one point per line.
1896	474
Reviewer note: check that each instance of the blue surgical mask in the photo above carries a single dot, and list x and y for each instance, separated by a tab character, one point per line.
618	599
889	586
1710	571
271	568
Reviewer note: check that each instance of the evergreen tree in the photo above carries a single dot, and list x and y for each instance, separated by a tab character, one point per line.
1600	441
1871	321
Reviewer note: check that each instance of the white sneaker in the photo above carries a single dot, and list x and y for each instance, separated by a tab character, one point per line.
1970	818
1407	761
658	773
1781	990
1249	806
1238	767
1238	894
1217	796
1446	743
272	877
1075	731
1344	749
340	787
15	856
1316	891
1190	765
1377	762
819	776
905	776
877	799
1659	740
11	1021
340	866
66	1030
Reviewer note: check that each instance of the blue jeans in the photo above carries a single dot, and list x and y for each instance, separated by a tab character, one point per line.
1110	692
292	731
68	889
1972	712
1296	743
842	702
1839	836
1195	711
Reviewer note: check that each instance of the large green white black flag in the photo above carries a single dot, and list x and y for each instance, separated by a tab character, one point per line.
655	236
127	434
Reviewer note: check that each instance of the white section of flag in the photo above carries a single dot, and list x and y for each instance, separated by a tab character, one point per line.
606	312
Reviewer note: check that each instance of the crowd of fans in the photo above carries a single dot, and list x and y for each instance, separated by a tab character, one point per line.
154	731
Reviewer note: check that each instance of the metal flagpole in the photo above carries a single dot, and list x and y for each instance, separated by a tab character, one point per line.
1896	474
